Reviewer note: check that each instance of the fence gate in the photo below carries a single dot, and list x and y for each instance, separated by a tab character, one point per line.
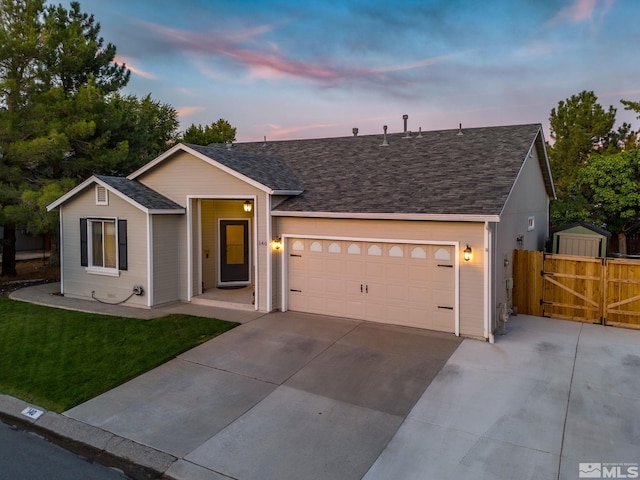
584	289
572	288
622	295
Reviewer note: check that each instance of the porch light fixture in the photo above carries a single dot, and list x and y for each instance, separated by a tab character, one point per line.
467	253
277	243
247	206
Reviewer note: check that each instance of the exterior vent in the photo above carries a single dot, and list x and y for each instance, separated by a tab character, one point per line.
384	141
102	195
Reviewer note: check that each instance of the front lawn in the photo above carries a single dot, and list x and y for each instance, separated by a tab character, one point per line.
58	358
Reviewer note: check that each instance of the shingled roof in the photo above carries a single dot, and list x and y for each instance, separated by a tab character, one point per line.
268	170
440	172
139	193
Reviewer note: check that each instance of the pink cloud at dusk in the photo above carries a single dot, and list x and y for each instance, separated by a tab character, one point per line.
278	131
272	63
119	59
187	111
582	10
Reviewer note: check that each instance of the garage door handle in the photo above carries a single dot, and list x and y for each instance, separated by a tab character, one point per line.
294	290
360	288
294	255
446	308
448	266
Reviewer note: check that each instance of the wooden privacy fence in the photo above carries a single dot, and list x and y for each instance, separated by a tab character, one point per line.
585	289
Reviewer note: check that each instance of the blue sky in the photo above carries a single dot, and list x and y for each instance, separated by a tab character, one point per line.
290	69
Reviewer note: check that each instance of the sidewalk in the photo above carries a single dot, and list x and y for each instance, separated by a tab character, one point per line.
543	399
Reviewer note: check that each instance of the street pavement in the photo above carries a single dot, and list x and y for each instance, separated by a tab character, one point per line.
287	395
27	456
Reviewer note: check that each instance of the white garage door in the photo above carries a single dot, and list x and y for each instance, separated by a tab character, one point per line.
396	283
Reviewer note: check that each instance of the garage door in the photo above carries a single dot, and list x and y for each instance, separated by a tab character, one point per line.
402	284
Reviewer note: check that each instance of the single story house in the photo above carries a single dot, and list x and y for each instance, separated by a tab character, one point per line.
403	228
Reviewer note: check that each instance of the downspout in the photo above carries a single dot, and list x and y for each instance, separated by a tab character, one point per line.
189	251
269	276
61	253
488	275
149	260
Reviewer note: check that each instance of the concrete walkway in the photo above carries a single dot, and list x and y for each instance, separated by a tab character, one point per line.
303	396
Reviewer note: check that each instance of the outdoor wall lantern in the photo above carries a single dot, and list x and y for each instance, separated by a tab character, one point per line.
467	253
277	243
247	206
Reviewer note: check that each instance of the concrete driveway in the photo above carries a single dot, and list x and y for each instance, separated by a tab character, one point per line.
284	396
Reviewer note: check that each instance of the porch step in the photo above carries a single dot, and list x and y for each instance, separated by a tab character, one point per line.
222	304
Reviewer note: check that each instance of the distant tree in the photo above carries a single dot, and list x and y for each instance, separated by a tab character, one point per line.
633	106
580	126
218	132
610	184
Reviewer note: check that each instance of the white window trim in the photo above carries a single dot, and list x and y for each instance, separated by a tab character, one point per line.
108	272
97	270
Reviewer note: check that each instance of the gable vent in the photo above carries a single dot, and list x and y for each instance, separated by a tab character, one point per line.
102	195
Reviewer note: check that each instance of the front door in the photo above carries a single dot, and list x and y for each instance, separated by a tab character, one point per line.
234	251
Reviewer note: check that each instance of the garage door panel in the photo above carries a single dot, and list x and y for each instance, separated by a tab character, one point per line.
315	264
398	272
384	282
354	268
397	293
375	269
442	319
336	287
334	266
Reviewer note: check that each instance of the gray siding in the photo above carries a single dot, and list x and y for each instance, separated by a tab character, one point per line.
166	258
528	199
77	282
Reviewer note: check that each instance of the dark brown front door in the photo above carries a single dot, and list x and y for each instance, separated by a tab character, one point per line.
234	251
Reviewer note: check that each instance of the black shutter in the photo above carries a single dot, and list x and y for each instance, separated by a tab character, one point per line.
122	244
84	252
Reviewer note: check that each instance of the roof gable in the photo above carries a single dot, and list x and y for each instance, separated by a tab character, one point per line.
133	192
263	172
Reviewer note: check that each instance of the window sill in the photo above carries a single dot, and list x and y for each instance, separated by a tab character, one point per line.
108	272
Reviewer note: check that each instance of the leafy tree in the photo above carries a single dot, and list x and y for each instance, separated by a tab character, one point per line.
610	184
61	116
580	127
218	132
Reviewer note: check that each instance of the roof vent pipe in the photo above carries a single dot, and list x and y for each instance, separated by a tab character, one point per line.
265	141
355	131
419	132
384	141
229	145
460	131
405	117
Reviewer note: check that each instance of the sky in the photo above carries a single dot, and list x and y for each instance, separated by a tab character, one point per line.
287	69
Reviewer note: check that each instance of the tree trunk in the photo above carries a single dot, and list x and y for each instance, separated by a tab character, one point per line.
54	248
622	243
9	252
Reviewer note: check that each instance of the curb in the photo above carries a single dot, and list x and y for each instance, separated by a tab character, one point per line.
136	460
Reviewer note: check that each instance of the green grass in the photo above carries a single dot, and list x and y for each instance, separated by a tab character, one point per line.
58	358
